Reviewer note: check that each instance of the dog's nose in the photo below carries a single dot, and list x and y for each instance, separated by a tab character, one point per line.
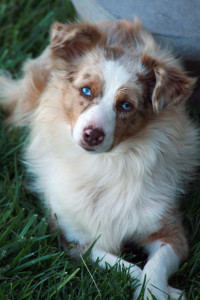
93	136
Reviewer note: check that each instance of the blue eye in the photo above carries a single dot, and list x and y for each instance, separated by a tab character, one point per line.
124	106
86	91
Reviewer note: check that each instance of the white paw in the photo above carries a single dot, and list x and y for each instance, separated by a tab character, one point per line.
176	294
150	290
149	293
152	285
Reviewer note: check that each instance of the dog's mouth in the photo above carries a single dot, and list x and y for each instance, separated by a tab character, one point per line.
86	148
95	149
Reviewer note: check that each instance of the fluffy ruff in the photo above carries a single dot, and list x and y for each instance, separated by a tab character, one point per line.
110	162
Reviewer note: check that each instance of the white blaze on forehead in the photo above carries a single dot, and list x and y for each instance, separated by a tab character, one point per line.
103	115
115	75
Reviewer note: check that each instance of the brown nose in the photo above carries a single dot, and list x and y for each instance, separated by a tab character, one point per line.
93	136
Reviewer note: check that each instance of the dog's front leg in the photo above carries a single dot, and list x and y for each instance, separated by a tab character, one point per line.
163	261
111	259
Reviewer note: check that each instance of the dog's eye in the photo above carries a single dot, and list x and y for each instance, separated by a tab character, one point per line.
86	91
124	106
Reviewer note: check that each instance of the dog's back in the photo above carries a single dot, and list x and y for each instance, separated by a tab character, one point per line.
20	97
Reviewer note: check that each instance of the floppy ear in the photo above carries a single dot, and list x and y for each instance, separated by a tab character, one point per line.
68	41
166	84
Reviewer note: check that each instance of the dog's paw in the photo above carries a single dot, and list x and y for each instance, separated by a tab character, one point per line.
176	294
150	292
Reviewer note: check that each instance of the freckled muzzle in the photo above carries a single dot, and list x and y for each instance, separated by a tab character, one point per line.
94	128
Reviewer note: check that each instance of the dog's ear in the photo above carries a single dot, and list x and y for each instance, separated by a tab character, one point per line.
165	83
68	41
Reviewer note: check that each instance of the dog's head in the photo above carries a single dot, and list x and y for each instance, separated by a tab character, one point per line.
110	92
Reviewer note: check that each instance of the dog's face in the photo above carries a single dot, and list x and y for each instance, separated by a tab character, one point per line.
110	93
106	100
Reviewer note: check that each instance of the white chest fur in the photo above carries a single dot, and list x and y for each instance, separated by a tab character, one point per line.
111	205
117	197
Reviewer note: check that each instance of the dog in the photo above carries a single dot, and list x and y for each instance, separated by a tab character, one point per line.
111	146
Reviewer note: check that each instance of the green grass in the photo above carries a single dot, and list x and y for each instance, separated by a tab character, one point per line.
33	264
